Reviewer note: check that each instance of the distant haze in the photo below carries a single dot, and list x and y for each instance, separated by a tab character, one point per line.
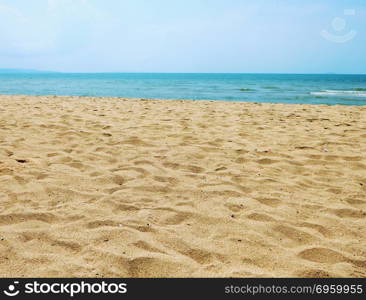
223	36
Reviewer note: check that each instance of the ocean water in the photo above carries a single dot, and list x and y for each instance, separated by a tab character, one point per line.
274	88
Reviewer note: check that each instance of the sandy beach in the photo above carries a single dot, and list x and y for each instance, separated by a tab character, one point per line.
107	187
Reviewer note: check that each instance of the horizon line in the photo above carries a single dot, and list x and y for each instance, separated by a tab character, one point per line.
154	72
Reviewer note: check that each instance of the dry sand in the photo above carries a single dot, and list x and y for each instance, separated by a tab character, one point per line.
97	187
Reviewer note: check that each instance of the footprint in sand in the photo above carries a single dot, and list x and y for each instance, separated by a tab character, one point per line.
298	236
269	201
348	213
260	217
325	255
266	161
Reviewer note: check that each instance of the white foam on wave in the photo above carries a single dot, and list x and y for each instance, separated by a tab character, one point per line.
339	93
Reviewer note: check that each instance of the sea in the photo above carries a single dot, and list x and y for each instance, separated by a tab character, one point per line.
330	89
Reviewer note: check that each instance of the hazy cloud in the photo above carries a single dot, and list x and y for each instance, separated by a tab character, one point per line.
180	36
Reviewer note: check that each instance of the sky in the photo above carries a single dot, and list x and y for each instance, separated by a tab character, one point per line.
223	36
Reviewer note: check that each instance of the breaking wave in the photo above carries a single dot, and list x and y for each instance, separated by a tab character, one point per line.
337	93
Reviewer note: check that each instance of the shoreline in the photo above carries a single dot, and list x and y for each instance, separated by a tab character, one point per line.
130	187
178	100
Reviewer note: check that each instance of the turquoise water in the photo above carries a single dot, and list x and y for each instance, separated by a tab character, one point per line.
275	88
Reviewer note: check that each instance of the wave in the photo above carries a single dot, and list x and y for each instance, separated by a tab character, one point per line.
270	88
336	93
247	90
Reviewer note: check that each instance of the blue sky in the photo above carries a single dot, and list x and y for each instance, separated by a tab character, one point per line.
245	36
